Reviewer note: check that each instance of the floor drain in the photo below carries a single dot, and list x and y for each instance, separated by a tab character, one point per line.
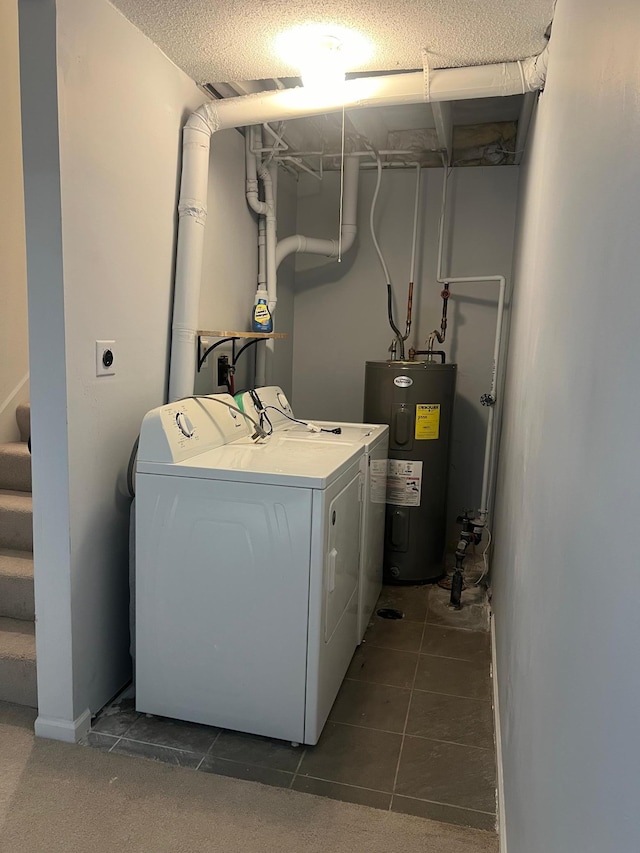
390	613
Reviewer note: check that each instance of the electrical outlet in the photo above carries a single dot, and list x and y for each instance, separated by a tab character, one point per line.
223	369
105	358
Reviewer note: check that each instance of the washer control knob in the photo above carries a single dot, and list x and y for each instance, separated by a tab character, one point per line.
184	425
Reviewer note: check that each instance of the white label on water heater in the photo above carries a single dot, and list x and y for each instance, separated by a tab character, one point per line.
403	381
404	482
378	481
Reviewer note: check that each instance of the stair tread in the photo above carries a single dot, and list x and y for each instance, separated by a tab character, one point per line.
17	564
17	639
10	499
18	447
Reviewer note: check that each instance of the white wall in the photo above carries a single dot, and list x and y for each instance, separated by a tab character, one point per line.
14	359
565	572
100	262
340	309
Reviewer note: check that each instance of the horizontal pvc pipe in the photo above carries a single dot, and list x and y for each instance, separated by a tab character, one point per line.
447	84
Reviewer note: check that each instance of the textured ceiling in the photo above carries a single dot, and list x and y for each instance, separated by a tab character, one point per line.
227	40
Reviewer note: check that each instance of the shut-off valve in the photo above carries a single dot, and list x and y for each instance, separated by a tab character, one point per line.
471	534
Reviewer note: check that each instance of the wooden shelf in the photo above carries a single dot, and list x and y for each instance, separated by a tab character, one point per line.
204	334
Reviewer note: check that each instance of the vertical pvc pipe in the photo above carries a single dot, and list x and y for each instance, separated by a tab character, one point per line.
272	267
491	435
192	212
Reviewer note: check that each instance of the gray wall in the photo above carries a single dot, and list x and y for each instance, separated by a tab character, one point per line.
14	359
102	109
101	178
340	309
565	571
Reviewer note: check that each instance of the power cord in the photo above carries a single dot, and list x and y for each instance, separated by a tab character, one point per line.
262	411
257	402
259	433
309	424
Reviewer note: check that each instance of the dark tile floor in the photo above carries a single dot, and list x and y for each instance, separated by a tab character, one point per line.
411	729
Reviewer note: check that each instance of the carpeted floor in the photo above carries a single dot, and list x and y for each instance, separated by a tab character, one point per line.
55	797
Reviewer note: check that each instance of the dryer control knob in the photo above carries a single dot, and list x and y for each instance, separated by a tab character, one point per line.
184	425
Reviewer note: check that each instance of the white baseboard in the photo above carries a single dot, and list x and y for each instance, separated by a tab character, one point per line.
502	823
68	731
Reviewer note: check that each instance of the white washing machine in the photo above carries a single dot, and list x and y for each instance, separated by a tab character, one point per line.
246	571
270	406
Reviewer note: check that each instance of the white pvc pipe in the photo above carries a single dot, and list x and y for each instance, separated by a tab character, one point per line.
251	134
265	177
491	436
262	253
192	212
261	359
252	175
264	353
495	372
447	84
443	213
348	231
272	267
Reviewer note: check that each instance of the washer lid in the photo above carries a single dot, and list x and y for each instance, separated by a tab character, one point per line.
365	435
276	461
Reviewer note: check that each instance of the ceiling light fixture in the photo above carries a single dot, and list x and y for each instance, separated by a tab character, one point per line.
323	53
323	65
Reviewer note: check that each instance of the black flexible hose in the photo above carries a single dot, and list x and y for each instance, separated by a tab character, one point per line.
131	468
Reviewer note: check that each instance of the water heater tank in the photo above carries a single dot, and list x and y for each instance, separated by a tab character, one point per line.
416	399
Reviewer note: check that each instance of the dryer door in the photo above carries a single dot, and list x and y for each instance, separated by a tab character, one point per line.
333	595
343	548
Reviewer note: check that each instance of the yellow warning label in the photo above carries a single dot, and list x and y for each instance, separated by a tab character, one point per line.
427	421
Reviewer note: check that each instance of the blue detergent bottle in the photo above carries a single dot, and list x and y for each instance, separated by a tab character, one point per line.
262	319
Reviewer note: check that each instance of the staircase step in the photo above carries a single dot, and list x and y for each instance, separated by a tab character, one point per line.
18	663
16	585
16	524
23	419
15	467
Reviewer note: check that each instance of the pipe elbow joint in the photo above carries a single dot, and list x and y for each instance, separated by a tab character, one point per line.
349	233
205	119
534	70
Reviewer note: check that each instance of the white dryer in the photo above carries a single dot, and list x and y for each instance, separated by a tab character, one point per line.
246	571
271	408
